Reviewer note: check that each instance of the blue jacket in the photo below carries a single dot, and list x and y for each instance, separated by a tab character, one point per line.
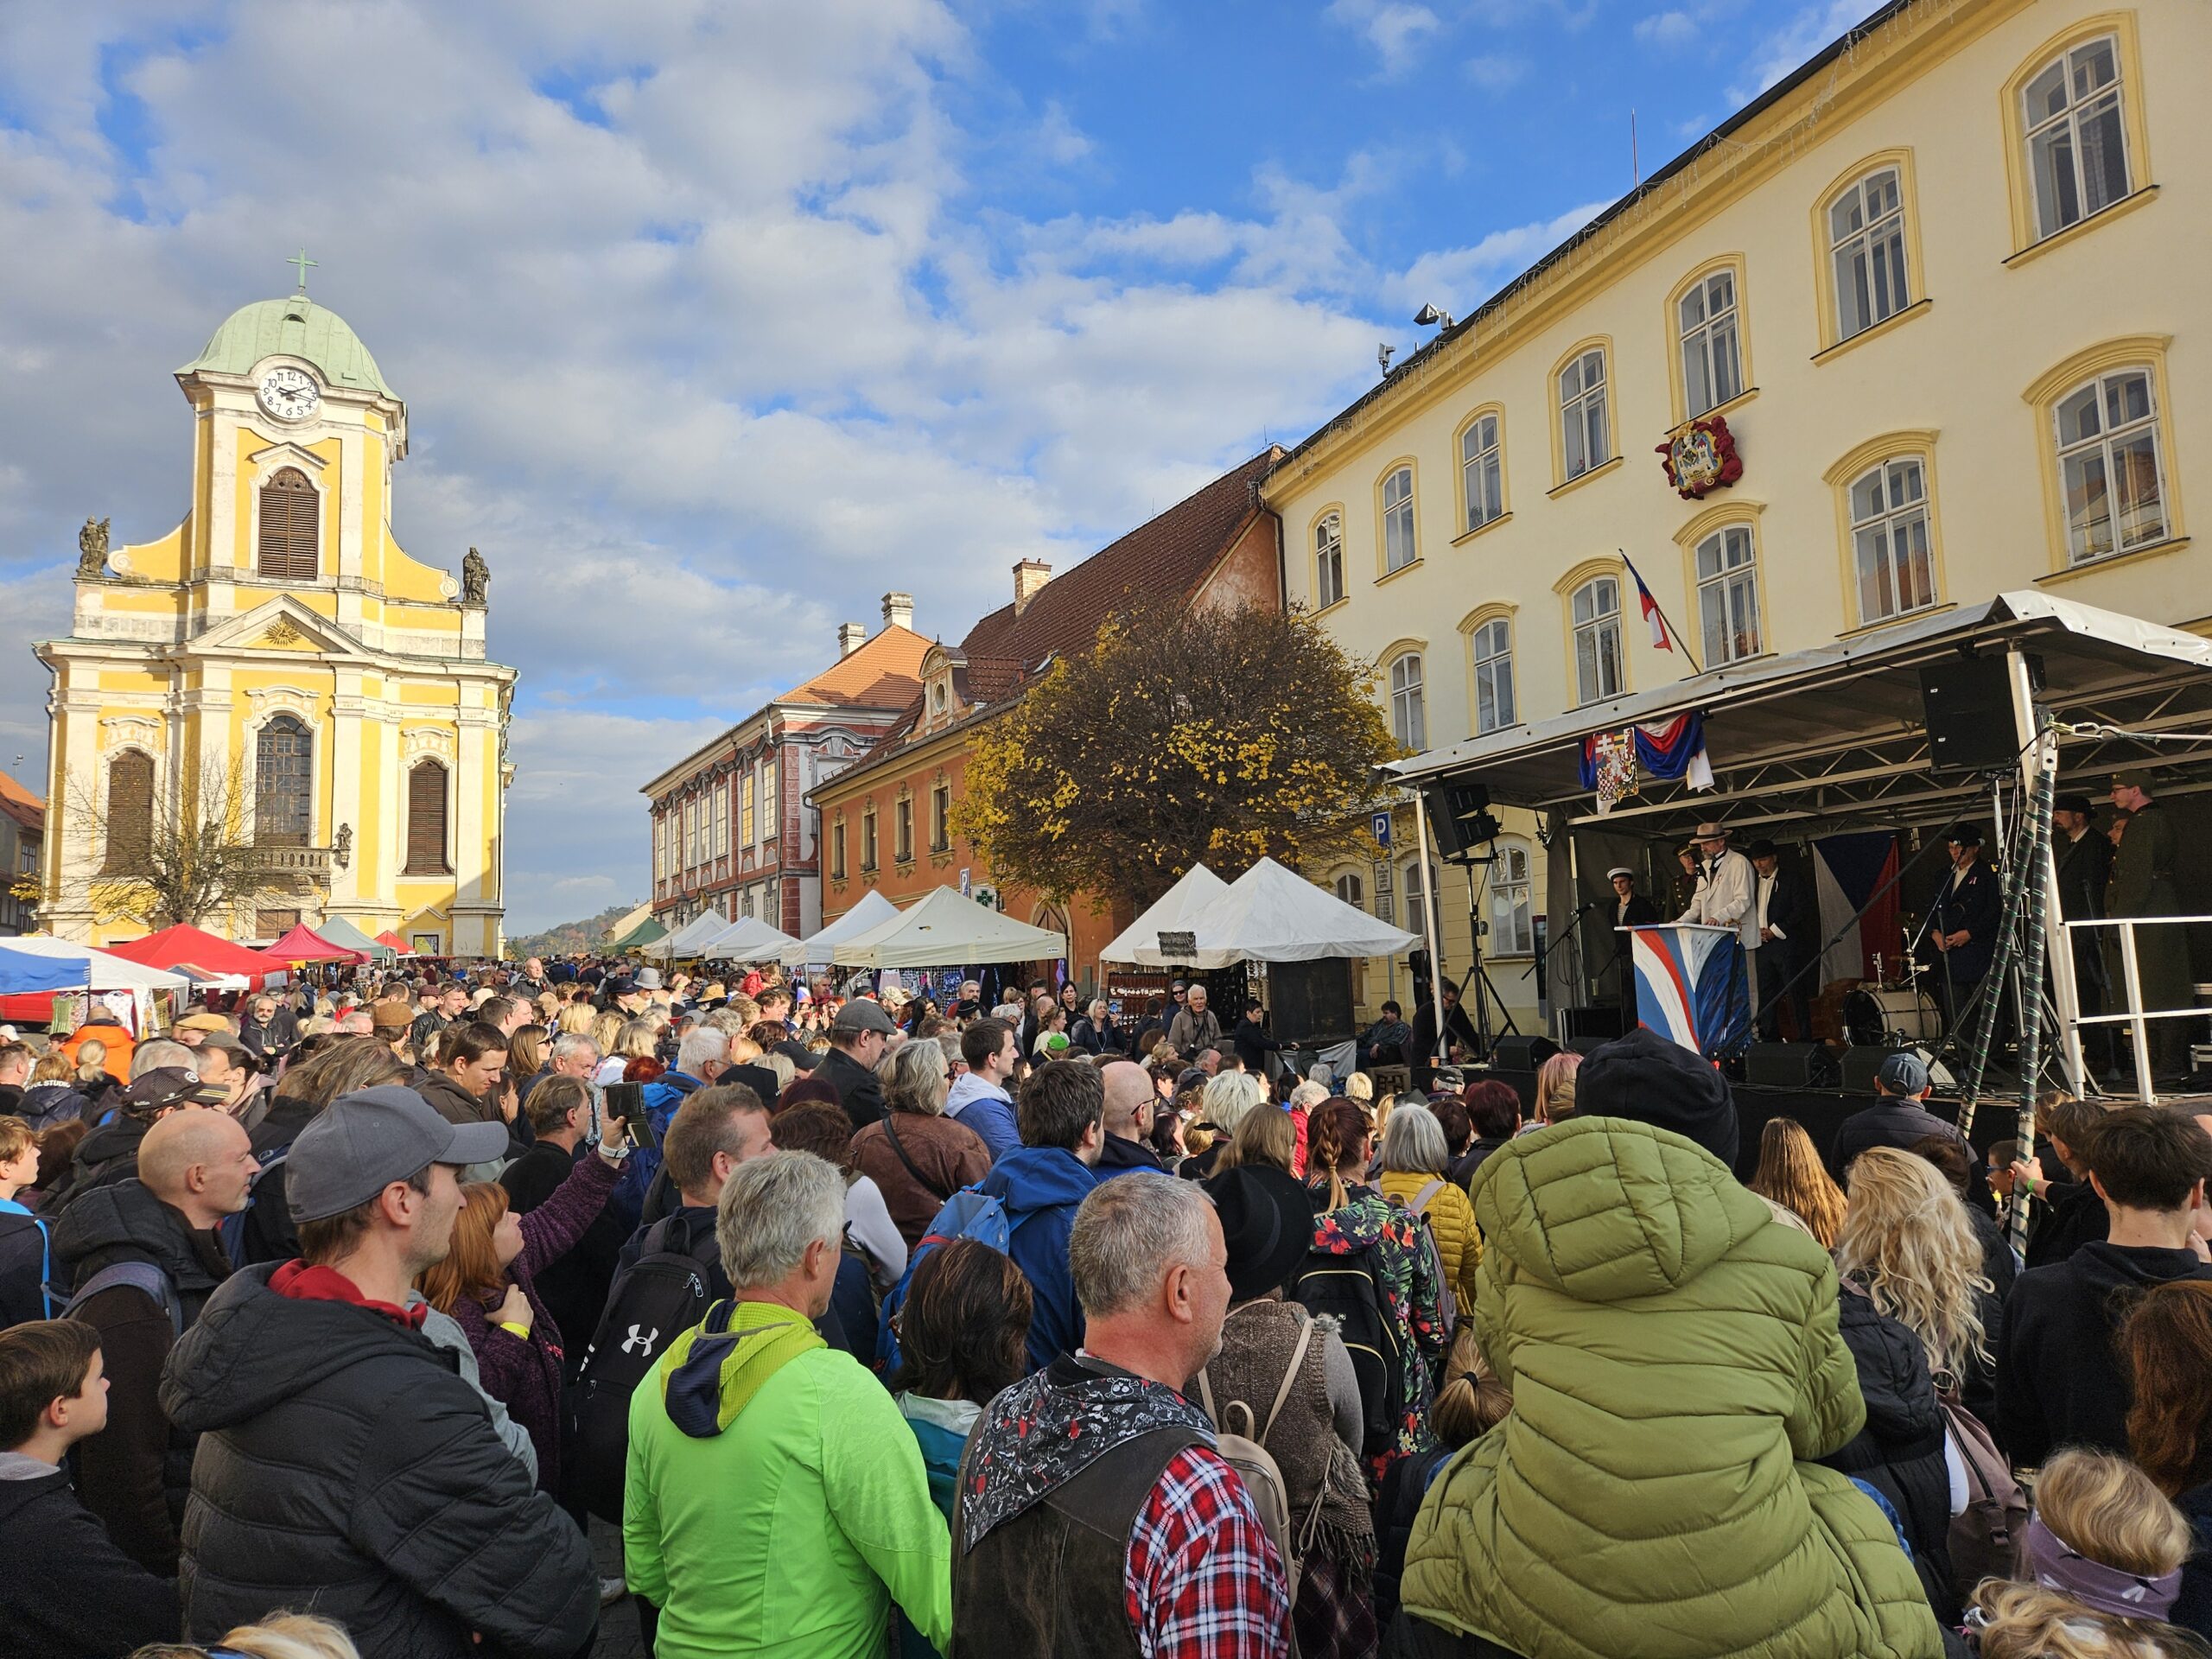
986	1108
1045	1184
661	1097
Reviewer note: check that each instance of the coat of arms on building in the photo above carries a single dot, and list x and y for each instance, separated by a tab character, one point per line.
1701	457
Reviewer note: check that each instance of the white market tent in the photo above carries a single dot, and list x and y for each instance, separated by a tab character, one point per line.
106	972
1272	914
747	939
942	930
1171	912
687	940
873	910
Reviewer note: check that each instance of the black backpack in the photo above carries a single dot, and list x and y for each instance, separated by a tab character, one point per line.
1345	1288
664	1293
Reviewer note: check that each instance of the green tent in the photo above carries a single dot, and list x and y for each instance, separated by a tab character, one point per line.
340	931
646	932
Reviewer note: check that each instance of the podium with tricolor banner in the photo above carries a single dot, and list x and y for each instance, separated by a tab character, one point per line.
1691	986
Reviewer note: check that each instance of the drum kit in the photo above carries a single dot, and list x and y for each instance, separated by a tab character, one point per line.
1897	1005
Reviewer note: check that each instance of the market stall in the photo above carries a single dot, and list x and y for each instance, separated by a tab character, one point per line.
685	944
1171	912
943	930
339	932
130	990
202	956
872	912
747	939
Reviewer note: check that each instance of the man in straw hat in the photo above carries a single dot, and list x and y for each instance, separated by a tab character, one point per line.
1725	885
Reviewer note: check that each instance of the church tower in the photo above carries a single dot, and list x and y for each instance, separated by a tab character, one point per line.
278	673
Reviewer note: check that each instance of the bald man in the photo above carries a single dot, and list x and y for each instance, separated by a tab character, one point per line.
1130	1103
143	1258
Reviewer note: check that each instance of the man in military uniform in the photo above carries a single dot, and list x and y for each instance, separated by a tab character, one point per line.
2082	856
2142	884
1630	909
1963	923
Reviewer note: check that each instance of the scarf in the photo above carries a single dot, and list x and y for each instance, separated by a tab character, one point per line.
2058	1566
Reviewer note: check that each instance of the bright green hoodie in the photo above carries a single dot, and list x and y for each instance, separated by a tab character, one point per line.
789	1511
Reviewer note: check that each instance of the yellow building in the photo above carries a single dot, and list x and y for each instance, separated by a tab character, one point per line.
1944	285
280	641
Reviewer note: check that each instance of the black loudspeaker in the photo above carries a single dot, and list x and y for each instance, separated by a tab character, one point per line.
1518	1053
1862	1060
1598	1023
1788	1065
1968	705
1310	1002
1459	816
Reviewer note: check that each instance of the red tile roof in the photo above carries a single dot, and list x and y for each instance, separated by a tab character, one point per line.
21	804
881	674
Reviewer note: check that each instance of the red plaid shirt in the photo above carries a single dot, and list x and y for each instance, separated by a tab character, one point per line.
1202	1579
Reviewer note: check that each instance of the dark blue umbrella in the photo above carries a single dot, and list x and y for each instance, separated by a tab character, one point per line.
21	972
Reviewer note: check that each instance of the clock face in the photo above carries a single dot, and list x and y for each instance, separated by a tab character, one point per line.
289	394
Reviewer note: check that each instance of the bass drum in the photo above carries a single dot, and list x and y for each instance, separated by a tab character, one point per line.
1873	1014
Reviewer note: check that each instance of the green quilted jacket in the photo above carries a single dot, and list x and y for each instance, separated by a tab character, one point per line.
1674	1364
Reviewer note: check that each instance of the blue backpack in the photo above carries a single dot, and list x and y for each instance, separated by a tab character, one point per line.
230	1232
968	1213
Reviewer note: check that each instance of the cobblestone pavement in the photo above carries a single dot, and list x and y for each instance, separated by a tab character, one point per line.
618	1638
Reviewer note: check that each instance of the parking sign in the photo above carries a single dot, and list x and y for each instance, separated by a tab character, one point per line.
1381	824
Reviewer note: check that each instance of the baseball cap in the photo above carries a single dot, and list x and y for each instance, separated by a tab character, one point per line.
169	1085
861	1014
1056	1044
362	1142
1903	1074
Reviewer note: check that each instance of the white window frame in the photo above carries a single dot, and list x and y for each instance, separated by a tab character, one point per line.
1870	257
1886	520
2065	126
1482	472
1491	646
769	820
1512	900
1400	544
1712	342
721	821
2102	447
1351	890
1416	888
1328	562
1598	669
1585	435
1408	702
1728	595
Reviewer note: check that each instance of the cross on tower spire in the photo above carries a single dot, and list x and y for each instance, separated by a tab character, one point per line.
305	266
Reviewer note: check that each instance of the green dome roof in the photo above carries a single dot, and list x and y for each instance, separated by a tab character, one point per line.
291	327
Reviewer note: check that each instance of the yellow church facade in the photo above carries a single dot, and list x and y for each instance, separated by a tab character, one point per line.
279	652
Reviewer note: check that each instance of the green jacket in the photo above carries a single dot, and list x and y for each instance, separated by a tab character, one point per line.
789	1522
1674	1364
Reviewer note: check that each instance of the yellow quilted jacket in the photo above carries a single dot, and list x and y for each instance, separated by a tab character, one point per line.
1452	1219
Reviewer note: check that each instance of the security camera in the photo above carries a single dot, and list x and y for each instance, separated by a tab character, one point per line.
1430	313
1383	354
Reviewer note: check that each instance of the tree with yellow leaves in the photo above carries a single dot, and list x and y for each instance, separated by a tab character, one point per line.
1214	736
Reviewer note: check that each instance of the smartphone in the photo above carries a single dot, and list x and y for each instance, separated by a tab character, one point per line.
627	1101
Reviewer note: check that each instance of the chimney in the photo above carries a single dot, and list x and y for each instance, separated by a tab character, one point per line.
1029	579
898	611
850	636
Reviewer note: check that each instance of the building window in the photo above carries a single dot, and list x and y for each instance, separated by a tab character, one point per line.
868	838
1512	908
2076	139
837	850
1494	701
1409	720
690	834
1398	549
1596	608
941	818
1713	359
1728	595
1866	237
2110	465
1482	472
721	820
745	812
289	547
1352	890
426	819
902	823
130	812
283	782
1328	562
1889	539
660	847
1414	888
1584	437
771	822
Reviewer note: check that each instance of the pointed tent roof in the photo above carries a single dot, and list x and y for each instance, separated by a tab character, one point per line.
942	930
687	940
872	912
194	947
1194	891
340	931
392	942
749	939
1272	914
645	930
107	971
22	973
303	944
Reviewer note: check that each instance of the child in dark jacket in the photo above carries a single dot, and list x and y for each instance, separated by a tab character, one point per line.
26	1245
68	1591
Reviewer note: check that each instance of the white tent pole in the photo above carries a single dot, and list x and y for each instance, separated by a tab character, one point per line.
1428	923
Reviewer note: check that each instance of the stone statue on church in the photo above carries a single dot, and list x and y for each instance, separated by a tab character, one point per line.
91	548
475	577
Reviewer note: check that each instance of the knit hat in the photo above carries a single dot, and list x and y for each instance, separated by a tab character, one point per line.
1648	1079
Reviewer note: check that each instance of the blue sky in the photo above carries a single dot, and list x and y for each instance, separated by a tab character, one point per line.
717	320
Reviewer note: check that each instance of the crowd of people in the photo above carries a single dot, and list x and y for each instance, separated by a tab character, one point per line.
334	1320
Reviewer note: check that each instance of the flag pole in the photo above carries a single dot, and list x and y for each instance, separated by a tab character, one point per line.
1672	632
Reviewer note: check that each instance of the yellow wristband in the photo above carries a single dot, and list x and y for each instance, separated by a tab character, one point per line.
514	1330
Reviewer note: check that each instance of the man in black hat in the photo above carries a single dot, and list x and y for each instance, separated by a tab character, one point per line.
1630	909
1787	924
1962	923
2142	868
2083	865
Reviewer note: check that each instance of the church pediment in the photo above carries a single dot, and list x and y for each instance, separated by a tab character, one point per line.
265	461
282	626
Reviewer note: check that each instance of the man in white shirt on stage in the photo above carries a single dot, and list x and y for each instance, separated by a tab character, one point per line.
1727	893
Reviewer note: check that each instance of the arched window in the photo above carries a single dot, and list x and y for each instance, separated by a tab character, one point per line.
290	548
283	782
1585	433
1512	920
1352	890
1712	360
1494	699
1328	562
130	812
1728	595
2076	139
1482	477
1596	613
1414	889
1408	716
2109	465
1889	539
426	819
1399	549
1866	241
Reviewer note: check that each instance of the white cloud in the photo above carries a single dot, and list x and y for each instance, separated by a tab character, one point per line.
1775	57
1497	72
1458	279
1395	28
1667	28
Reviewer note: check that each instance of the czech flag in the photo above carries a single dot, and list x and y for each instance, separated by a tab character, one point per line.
1660	639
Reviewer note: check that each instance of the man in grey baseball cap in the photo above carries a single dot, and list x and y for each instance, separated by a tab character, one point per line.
363	1143
1898	1117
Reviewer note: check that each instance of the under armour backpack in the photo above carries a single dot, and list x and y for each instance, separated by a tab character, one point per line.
1345	1288
968	1213
664	1293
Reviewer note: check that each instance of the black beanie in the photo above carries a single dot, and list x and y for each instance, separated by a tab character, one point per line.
1647	1078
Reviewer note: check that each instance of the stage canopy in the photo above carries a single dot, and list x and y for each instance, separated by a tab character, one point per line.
686	941
1171	912
749	939
181	947
942	930
340	931
1272	914
302	944
872	912
107	972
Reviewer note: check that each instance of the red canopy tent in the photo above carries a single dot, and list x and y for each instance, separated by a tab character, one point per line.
392	940
303	944
193	947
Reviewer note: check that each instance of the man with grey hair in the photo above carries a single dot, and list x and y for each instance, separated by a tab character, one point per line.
701	1056
757	1446
1093	1514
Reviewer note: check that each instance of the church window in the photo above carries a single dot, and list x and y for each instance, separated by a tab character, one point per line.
283	782
426	820
130	811
288	550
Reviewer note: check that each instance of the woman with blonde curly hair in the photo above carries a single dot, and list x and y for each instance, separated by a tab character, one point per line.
1791	1174
1906	1243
